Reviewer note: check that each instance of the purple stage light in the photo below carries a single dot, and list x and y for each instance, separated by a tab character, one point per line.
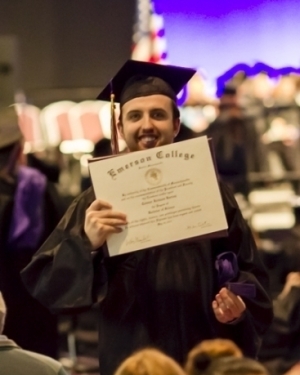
222	36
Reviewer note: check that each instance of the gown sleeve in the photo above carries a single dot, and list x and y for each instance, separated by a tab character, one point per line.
248	331
61	274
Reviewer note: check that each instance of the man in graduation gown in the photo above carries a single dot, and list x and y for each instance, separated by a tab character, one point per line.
169	297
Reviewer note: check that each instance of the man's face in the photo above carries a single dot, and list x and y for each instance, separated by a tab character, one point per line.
148	122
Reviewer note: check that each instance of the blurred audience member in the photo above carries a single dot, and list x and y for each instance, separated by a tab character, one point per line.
263	88
285	90
149	362
228	132
281	344
50	170
102	148
27	217
254	96
281	255
282	139
16	361
184	134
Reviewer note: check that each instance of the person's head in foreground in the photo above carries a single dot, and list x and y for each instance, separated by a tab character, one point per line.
149	116
206	365
149	362
2	313
216	348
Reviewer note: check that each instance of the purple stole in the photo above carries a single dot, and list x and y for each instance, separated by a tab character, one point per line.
27	224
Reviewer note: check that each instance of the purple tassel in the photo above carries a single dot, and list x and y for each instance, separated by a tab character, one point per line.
227	266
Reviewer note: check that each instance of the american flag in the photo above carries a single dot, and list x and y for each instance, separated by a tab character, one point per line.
149	41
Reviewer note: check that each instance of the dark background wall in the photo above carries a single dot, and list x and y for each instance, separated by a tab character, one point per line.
67	43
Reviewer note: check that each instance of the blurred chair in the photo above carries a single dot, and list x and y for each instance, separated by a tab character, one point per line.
56	123
57	126
85	120
272	209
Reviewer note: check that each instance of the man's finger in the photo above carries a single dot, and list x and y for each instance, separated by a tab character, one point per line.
112	222
103	214
221	315
230	300
112	229
222	303
242	304
236	301
218	312
98	204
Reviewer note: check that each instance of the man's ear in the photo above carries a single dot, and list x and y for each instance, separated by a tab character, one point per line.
120	129
176	127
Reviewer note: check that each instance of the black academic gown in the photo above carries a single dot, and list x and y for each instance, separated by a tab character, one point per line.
160	297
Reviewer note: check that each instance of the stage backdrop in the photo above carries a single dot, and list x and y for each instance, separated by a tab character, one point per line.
216	35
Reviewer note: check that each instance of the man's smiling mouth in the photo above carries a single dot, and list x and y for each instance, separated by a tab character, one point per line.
148	140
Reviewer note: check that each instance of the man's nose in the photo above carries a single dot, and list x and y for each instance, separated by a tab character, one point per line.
147	123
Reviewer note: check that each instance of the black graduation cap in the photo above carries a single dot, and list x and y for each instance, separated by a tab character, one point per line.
138	71
139	78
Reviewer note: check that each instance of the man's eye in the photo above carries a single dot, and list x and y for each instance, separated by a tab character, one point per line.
134	116
159	115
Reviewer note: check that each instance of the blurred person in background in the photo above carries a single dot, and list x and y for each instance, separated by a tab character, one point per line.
280	349
102	148
17	361
254	96
28	214
282	142
280	252
284	100
228	133
184	134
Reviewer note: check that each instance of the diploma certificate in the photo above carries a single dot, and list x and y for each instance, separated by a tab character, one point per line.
168	193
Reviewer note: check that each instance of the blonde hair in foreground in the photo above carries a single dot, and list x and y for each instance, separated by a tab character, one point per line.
217	348
149	362
213	349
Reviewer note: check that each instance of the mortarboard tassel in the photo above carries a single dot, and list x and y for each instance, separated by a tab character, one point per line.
113	126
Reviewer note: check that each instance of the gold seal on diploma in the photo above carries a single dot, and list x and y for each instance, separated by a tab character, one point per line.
153	176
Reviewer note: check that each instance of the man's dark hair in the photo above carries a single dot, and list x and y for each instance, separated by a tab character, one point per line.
175	111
